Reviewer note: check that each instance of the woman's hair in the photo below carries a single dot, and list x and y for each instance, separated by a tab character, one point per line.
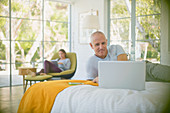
63	50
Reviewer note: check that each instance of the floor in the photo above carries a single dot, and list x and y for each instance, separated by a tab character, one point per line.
5	78
10	99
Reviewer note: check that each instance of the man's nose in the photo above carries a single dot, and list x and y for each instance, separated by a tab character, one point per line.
101	46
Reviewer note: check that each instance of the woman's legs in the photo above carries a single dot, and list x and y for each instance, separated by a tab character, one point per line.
50	67
41	71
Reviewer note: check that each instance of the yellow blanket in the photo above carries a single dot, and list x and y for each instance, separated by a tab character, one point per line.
40	97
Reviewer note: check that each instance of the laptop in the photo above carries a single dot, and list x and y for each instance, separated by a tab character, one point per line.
122	74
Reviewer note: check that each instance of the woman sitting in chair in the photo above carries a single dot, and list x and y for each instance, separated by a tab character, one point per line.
55	66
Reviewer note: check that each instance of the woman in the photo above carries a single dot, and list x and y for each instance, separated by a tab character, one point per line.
63	64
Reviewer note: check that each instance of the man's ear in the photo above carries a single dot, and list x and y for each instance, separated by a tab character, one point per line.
91	45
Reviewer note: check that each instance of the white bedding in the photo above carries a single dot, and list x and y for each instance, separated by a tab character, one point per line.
92	99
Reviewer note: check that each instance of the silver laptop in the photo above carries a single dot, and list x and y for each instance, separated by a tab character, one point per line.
122	74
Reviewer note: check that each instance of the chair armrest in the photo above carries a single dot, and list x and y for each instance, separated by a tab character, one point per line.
67	72
62	73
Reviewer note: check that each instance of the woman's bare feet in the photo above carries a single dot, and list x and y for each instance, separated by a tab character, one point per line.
43	74
29	72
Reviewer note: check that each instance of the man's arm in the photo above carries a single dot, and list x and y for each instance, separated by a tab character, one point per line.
122	57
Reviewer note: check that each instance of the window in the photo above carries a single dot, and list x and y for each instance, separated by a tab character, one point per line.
30	31
135	24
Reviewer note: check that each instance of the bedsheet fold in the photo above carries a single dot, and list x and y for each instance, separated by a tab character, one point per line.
40	97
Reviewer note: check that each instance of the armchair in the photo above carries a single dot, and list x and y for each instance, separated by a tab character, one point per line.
68	73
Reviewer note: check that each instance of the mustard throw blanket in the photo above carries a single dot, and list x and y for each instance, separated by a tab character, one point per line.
40	97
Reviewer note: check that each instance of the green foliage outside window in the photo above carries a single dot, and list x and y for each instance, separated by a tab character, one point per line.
26	30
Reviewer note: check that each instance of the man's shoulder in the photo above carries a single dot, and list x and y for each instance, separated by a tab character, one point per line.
92	62
116	50
92	59
114	46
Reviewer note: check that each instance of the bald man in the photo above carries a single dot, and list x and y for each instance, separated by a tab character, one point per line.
102	53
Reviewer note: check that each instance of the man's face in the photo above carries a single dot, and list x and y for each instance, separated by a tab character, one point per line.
99	44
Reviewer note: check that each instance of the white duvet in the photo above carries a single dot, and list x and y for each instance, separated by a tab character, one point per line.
92	99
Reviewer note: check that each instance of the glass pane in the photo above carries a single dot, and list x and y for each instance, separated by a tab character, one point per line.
22	64
146	51
5	52
27	52
4	75
4	63
3	47
16	78
120	29
56	11
39	66
26	8
26	30
4	28
56	31
120	8
53	47
4	8
148	28
146	7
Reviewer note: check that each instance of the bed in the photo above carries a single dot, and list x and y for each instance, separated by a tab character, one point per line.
60	97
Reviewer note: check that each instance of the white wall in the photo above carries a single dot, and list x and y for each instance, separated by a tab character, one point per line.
85	51
165	32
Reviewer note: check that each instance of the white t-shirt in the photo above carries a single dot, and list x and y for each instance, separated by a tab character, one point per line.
92	64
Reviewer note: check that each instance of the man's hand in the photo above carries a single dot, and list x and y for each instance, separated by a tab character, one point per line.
122	57
96	80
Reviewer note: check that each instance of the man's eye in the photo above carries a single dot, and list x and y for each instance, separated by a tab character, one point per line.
103	43
97	44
